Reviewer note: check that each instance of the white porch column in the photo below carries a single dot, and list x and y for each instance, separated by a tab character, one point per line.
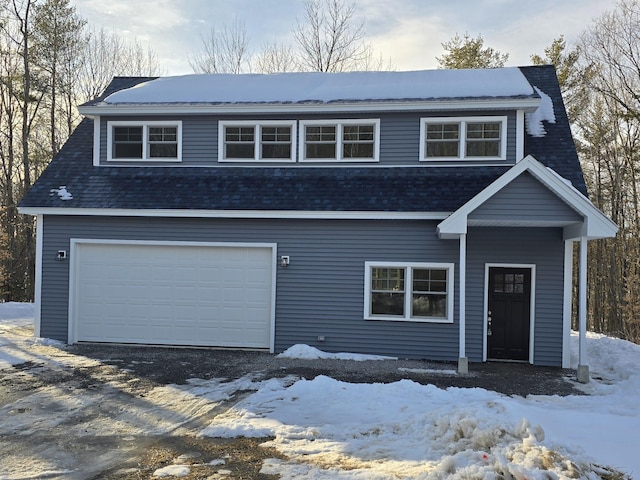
583	368
463	361
567	303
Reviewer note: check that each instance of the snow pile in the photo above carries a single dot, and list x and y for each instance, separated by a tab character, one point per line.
327	427
14	314
327	87
311	353
544	113
62	192
331	429
172	471
383	430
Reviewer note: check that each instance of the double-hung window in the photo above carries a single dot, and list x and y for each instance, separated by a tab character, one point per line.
248	141
451	138
418	292
354	140
150	141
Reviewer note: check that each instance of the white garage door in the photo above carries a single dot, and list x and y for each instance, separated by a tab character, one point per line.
173	294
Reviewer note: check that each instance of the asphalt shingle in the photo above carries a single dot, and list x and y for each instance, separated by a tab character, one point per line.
296	188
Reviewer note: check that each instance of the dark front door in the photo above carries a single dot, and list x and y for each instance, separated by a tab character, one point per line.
508	313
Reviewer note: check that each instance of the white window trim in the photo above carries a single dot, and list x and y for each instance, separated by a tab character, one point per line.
145	124
408	267
222	125
462	121
339	124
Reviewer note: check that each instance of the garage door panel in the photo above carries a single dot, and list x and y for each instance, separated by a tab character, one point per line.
172	294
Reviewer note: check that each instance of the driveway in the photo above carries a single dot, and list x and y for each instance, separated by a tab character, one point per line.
98	411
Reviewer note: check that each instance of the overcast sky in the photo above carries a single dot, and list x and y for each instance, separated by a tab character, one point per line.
409	33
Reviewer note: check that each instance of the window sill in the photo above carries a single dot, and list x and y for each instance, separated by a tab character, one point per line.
339	160
145	160
410	320
253	160
463	159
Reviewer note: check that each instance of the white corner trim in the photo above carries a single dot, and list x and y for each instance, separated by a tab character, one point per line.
462	297
96	141
519	135
37	294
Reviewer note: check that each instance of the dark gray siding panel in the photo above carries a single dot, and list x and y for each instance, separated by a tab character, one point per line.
525	199
320	293
399	136
542	247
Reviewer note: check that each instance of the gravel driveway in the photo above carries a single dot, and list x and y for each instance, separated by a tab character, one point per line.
111	382
176	365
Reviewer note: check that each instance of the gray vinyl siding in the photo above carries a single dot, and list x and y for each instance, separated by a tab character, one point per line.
542	247
399	138
321	292
525	198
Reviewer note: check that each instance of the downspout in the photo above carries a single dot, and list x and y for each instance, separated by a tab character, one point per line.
583	368
463	361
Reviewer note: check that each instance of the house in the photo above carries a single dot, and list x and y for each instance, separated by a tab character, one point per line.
427	214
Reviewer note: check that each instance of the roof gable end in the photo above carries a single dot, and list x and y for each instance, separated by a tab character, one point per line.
594	225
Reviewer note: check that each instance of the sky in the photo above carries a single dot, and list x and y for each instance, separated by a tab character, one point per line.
408	33
324	428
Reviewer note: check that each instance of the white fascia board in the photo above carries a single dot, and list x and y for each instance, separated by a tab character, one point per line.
525	104
595	225
274	214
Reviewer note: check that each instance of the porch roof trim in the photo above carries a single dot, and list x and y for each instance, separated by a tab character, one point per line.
595	224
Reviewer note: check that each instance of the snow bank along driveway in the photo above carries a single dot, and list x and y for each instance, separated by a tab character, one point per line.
65	415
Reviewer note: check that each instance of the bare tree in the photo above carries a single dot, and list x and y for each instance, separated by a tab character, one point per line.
330	37
613	45
107	55
224	51
276	58
609	134
21	100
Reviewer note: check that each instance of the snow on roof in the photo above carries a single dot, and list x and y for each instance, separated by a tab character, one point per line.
327	87
544	112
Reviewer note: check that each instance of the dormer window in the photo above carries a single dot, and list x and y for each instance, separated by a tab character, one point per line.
144	141
478	138
249	141
340	140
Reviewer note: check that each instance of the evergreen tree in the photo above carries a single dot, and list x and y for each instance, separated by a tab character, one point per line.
572	75
57	41
470	52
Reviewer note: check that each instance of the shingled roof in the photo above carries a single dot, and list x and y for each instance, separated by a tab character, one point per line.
299	188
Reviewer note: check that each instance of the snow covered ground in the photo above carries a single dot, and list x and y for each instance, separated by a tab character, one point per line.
331	429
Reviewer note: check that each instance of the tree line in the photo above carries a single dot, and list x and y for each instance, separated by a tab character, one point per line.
51	60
